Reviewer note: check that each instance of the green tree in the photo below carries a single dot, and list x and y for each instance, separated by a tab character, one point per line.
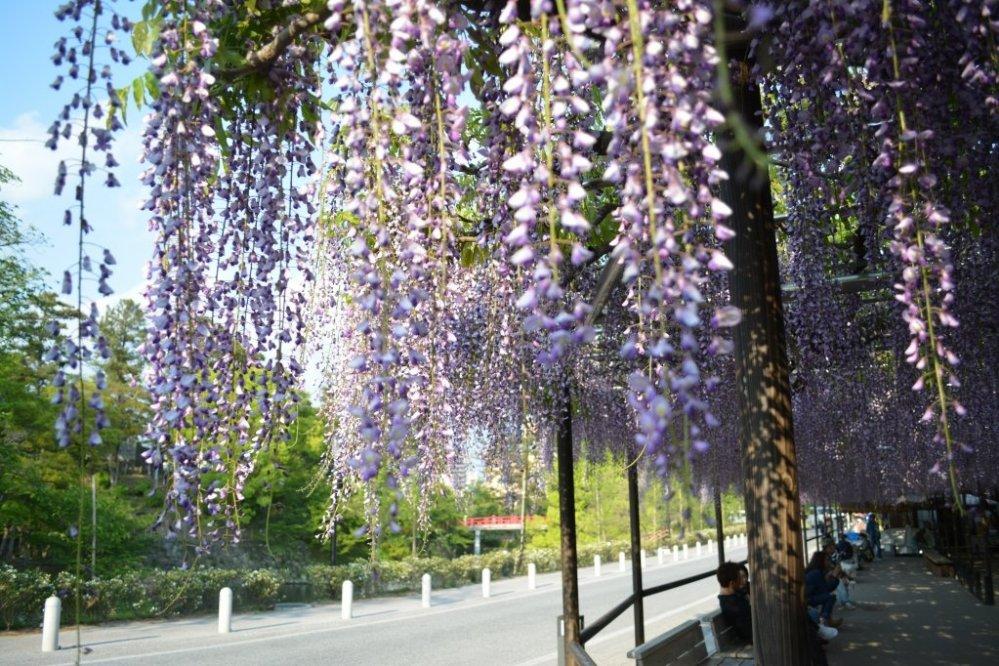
39	484
126	400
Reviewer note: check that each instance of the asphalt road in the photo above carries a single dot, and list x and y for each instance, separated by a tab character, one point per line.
514	627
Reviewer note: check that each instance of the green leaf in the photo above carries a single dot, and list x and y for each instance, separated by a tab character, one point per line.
138	92
144	36
123	97
221	136
152	85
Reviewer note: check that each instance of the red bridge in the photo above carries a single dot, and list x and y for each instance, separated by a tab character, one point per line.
498	522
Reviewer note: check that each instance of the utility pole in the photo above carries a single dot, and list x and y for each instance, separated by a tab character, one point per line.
93	525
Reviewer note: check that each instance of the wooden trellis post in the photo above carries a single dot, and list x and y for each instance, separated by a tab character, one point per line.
773	512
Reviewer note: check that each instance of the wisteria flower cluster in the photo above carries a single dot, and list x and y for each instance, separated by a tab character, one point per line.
658	67
872	149
225	320
91	117
488	169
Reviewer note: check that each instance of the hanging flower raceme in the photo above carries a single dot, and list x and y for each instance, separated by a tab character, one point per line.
91	117
544	174
453	294
926	289
977	19
226	281
183	157
399	107
658	72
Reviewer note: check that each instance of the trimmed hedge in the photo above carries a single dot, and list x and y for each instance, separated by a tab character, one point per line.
130	595
157	593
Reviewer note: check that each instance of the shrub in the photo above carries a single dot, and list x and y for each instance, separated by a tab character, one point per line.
22	596
259	588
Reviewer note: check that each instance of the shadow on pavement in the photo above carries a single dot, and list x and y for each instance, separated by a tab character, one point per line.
262	626
374	613
87	644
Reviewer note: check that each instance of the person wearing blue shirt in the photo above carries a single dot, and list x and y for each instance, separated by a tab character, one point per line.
821	582
874	534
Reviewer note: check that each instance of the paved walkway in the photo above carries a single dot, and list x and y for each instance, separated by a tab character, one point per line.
907	616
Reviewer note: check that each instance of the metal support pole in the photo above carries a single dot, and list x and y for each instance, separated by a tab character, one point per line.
93	526
636	554
719	528
815	507
988	594
567	528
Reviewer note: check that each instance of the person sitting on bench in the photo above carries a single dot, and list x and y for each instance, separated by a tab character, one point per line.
734	601
842	554
821	581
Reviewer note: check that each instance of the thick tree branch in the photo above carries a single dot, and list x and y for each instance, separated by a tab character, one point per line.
261	59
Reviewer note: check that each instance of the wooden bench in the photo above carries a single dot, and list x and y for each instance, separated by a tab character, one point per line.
939	564
685	645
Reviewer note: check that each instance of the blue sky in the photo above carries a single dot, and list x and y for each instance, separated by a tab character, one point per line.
27	107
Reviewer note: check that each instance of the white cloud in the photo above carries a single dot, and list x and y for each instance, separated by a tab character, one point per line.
133	293
23	151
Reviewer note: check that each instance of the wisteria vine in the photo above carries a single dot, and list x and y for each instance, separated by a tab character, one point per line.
485	168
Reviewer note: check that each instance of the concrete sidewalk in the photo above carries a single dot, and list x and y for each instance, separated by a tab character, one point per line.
907	616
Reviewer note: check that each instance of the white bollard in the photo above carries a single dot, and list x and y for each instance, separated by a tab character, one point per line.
486	579
698	551
425	591
596	566
742	539
620	561
676	554
532	573
225	610
50	624
644	562
686	551
347	600
659	555
711	546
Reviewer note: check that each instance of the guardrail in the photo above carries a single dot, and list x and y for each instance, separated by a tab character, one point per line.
578	649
